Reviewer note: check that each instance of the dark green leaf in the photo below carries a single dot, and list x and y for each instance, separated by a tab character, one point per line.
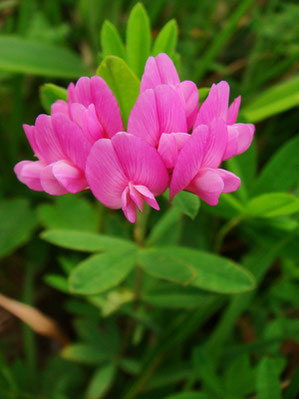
101	382
281	172
98	273
84	241
23	56
17	222
267	382
167	230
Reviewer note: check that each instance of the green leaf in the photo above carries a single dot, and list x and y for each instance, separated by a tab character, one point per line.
58	282
203	93
138	39
272	205
49	93
188	203
167	230
20	55
85	241
219	274
101	382
111	41
239	378
69	212
267	382
17	223
85	353
164	264
281	172
122	81
166	40
187	395
277	99
197	268
100	272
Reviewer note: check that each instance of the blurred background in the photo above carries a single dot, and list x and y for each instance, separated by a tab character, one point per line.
254	45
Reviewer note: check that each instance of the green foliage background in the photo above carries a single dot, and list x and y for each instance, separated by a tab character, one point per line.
156	335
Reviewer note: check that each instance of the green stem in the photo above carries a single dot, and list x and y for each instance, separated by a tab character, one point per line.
226	228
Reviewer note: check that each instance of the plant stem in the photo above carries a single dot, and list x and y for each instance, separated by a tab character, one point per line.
226	228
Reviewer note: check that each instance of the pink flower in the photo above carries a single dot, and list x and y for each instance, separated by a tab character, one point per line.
63	141
158	117
161	70
216	105
124	172
197	166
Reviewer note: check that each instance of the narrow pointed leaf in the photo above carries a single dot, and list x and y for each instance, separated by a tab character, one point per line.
167	39
111	41
138	39
273	204
49	93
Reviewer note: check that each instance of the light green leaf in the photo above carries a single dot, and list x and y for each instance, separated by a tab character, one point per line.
17	223
188	203
167	230
166	40
138	39
85	241
49	93
281	172
101	382
100	272
20	55
111	41
122	81
277	99
85	353
267	382
69	212
272	205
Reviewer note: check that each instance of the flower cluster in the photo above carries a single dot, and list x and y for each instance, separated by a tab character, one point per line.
169	142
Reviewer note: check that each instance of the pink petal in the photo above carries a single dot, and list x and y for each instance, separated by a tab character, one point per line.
157	71
215	105
30	134
46	139
104	174
28	172
72	139
61	107
188	164
88	121
191	100
106	106
80	92
70	177
214	142
141	162
170	145
240	136
233	111
208	185
231	181
157	111
128	206
49	183
148	196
